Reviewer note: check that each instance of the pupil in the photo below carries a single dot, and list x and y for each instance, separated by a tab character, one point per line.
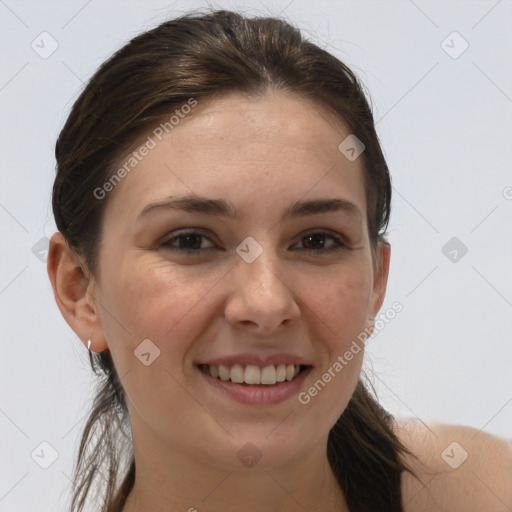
188	239
316	238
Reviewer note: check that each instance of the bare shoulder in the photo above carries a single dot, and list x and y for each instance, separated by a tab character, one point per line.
459	468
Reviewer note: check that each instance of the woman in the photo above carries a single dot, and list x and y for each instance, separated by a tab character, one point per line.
231	366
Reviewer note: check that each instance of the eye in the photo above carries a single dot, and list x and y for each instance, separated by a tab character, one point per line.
189	242
315	238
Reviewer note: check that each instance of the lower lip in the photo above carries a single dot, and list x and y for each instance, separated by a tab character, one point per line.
258	395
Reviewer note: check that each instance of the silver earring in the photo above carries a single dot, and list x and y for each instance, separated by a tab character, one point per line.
89	345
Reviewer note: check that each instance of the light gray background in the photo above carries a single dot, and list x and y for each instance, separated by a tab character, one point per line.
445	126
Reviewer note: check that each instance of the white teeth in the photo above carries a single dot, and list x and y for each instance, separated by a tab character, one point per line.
268	375
290	370
252	374
281	373
223	372
237	373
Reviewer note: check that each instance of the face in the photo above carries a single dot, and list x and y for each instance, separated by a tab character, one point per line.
206	287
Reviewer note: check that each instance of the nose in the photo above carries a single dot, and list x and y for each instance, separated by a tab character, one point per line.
262	297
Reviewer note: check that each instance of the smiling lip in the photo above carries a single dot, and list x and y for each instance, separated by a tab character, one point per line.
259	394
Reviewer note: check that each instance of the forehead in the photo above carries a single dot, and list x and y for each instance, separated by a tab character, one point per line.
253	150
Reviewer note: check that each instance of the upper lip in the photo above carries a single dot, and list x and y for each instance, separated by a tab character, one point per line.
257	360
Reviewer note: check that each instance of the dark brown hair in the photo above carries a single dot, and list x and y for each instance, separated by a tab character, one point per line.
199	56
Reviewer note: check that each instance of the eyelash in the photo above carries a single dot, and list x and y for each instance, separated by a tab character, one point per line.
340	244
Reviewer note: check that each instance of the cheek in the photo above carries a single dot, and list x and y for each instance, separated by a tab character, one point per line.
170	308
340	310
339	299
153	300
327	394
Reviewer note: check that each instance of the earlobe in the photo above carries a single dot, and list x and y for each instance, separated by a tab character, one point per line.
72	290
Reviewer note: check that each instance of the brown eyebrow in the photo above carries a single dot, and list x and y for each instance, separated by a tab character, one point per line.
220	207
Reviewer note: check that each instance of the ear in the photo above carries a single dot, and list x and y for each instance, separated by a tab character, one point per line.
73	290
380	279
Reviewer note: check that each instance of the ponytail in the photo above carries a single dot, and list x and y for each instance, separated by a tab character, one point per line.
365	455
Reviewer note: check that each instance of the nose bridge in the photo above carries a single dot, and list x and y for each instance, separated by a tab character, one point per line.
260	264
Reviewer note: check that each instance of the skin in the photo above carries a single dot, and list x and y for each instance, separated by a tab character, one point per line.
262	154
482	482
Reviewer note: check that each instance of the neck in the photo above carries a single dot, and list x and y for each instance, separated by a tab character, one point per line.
172	480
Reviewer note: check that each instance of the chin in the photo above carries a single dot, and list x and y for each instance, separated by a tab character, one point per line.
264	447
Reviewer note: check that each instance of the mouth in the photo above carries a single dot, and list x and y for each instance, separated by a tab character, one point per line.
254	385
253	375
